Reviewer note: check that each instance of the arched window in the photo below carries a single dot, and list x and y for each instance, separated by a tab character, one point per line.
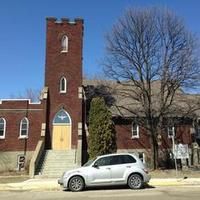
62	117
2	128
63	85
64	43
24	126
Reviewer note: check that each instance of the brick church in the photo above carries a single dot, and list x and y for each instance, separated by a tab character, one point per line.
27	128
50	136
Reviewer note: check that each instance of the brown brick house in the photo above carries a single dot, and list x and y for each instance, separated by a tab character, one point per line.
183	122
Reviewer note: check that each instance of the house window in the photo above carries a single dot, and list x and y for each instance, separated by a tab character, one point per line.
63	85
64	44
2	128
24	126
198	132
171	131
135	130
141	156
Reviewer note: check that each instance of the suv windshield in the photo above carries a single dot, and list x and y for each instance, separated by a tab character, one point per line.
89	162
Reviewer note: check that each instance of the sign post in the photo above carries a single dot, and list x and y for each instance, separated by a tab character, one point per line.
171	134
174	154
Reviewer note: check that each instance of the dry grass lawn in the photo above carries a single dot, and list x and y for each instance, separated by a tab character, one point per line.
172	173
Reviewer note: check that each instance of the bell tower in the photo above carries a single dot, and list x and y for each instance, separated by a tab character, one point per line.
63	77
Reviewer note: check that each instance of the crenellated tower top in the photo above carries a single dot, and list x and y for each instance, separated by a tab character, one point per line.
64	20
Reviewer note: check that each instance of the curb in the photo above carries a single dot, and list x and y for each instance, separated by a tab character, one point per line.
52	185
174	182
31	185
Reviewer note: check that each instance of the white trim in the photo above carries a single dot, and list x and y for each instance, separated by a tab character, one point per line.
29	101
4	109
64	51
62	92
24	136
4	129
137	131
61	124
71	22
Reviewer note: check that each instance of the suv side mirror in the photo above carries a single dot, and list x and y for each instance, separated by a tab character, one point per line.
95	165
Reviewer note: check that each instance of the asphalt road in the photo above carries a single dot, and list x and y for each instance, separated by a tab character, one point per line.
164	193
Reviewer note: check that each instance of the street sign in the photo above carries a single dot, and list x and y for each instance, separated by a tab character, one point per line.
181	151
20	162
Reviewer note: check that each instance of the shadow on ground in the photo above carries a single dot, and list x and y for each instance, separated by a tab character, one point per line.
113	188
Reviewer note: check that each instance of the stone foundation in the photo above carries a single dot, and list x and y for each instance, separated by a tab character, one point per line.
8	160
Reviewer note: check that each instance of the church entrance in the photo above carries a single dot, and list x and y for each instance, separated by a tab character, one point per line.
61	138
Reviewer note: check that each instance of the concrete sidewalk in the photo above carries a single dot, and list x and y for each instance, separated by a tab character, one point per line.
51	184
32	184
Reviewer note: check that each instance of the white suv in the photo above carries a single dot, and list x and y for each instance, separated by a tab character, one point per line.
107	170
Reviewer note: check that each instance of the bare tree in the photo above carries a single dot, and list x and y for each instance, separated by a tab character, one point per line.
29	93
152	56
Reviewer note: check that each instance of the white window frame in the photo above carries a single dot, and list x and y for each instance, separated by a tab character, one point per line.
27	130
143	156
64	44
170	129
133	131
4	129
65	85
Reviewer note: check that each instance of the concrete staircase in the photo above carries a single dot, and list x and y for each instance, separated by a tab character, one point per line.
54	163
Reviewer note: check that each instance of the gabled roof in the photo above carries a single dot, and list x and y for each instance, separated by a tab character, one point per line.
124	101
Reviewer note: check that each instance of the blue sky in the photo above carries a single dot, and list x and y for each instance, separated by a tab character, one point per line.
23	28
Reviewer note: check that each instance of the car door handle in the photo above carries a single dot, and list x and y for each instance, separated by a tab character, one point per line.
108	168
128	166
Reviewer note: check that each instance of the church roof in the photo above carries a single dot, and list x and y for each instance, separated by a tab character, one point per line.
122	98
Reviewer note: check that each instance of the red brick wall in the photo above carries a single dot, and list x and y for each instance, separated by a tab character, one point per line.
124	140
182	135
68	65
13	112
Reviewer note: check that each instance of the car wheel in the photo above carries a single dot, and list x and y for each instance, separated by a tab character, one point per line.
76	184
135	181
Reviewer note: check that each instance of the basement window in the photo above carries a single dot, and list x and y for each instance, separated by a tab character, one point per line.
141	156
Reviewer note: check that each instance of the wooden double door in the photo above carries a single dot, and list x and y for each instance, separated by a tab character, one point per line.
61	133
61	139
